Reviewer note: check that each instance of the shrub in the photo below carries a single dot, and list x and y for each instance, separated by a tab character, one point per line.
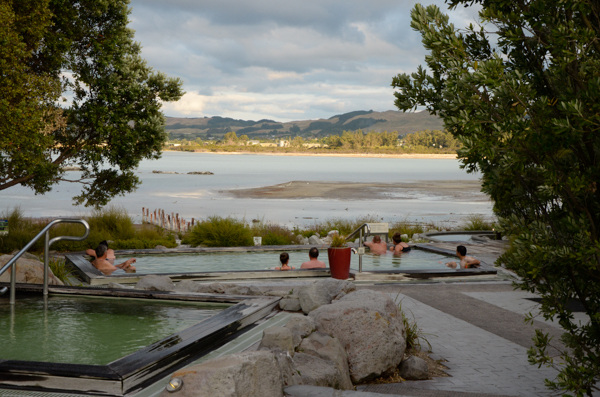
273	234
477	222
217	231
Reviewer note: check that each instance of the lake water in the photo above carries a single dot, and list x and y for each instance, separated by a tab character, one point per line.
199	196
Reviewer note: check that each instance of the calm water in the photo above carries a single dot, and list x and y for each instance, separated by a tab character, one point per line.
184	263
202	195
82	330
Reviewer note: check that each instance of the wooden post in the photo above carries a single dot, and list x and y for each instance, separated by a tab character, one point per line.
143	214
192	221
155	218
178	223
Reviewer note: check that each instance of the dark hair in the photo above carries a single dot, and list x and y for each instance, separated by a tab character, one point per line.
284	258
103	242
461	249
101	250
397	237
376	239
314	252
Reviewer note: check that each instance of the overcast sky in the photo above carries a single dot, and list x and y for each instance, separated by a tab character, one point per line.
280	59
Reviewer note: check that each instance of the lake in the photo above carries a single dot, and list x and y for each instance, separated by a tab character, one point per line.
199	196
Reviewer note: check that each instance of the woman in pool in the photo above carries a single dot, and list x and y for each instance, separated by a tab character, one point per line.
284	258
399	247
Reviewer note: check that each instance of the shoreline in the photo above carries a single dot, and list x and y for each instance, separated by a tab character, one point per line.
440	156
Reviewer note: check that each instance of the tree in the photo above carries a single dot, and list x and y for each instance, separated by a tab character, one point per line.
81	50
527	111
230	138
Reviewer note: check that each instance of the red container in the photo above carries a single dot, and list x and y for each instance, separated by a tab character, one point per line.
339	262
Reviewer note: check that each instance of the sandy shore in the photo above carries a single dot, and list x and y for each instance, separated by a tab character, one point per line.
374	155
443	190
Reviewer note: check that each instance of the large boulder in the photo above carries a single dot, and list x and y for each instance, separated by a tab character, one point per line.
247	374
301	326
322	292
289	374
278	338
414	368
326	347
314	240
30	271
369	326
155	282
290	304
317	372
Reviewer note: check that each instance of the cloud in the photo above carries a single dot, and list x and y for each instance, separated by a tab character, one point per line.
281	60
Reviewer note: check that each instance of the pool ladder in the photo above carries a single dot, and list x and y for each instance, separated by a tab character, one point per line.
361	232
48	242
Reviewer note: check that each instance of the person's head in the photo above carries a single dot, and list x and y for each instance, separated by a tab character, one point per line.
461	250
313	253
101	250
103	242
397	237
376	239
284	258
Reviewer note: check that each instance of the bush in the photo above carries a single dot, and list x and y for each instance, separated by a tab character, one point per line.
217	231
406	227
273	234
477	222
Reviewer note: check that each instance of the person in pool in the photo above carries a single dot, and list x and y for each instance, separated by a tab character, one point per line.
107	268
465	261
110	254
284	258
399	247
377	246
313	263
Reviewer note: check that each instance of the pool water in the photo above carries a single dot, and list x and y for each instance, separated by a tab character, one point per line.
85	330
248	261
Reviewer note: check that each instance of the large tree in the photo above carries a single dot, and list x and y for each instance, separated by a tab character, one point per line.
521	90
74	91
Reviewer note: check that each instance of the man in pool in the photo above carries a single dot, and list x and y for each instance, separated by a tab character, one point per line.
399	246
284	258
465	261
110	254
313	263
377	246
107	268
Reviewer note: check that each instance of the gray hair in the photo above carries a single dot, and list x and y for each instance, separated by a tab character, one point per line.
101	250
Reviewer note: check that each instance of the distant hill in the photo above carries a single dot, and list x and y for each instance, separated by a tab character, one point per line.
216	127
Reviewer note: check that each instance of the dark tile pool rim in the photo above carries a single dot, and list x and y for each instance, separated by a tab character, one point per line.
88	273
147	365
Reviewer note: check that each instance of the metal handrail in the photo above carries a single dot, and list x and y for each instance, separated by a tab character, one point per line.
45	231
360	241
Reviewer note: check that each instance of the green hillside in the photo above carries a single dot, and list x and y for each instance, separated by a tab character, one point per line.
216	127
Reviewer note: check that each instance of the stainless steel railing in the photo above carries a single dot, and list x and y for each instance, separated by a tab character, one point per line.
360	232
45	232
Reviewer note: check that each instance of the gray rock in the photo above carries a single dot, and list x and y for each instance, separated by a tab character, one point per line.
247	374
160	247
317	372
416	236
369	326
322	292
30	271
118	286
319	391
278	338
188	286
290	304
155	282
201	173
404	237
27	255
289	374
301	326
243	290
414	368
332	233
314	240
326	347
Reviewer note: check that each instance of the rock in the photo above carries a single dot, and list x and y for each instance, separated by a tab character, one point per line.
301	326
247	374
164	172
201	173
333	233
326	240
154	282
27	255
416	236
326	347
117	286
278	338
414	368
30	271
160	247
317	372
290	304
404	237
289	374
369	326
322	292
243	290
314	240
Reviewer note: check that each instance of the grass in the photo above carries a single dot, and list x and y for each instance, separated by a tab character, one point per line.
414	334
60	269
216	231
112	224
477	222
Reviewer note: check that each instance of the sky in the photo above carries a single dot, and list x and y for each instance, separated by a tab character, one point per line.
279	59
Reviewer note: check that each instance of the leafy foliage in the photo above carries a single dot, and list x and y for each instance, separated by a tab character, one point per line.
216	231
527	113
113	121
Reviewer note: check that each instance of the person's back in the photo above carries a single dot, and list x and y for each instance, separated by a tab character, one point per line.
313	262
284	258
377	246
